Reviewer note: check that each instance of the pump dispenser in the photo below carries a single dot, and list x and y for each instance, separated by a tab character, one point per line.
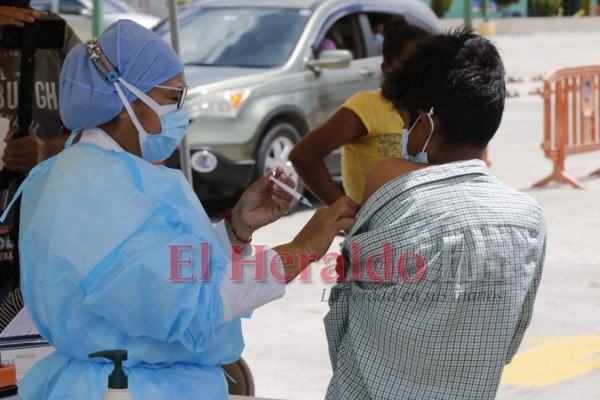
117	380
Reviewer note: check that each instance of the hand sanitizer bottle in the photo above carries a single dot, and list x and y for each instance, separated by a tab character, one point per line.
117	380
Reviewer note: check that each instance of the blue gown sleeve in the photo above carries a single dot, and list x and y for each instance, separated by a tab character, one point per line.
97	240
131	286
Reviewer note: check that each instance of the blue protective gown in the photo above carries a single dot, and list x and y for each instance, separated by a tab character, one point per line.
95	231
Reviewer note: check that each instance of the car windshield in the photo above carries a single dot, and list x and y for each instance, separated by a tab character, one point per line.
237	37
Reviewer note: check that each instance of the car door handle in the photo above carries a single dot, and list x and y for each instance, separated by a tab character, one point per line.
366	72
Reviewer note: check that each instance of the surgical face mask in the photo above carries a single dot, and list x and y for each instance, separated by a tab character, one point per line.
173	121
421	157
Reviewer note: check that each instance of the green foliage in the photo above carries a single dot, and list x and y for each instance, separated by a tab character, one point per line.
546	7
440	7
586	5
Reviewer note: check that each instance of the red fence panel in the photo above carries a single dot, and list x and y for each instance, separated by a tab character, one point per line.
571	118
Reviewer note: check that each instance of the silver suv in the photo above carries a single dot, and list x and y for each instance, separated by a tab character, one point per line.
262	75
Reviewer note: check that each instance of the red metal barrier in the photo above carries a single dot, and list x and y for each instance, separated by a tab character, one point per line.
571	118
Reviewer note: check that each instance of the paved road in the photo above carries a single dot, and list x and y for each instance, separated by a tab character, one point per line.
560	358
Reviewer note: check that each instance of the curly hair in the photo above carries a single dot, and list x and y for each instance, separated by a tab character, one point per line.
460	74
396	34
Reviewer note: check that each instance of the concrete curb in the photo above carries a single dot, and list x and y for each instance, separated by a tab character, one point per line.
524	26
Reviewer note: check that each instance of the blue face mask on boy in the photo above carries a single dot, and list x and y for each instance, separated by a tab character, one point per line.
421	157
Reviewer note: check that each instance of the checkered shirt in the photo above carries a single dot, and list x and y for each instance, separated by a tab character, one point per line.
446	262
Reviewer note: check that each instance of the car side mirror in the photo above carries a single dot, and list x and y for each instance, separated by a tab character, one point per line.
85	12
330	59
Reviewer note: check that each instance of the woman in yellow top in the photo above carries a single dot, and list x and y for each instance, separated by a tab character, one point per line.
366	127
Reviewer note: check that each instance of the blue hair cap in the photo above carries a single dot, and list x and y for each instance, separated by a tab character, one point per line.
87	99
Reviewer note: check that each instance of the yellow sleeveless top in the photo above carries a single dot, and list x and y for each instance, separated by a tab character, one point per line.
384	139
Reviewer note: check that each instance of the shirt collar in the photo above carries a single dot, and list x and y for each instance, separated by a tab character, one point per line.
100	138
402	186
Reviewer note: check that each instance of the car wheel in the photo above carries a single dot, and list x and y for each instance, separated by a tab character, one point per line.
274	151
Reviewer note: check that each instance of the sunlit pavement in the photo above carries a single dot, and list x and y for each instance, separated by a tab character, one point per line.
560	356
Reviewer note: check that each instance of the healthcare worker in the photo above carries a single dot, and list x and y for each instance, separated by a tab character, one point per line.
119	253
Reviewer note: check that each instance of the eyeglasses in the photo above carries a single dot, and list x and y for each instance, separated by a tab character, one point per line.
182	93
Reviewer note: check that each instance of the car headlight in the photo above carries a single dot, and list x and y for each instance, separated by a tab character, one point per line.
225	103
